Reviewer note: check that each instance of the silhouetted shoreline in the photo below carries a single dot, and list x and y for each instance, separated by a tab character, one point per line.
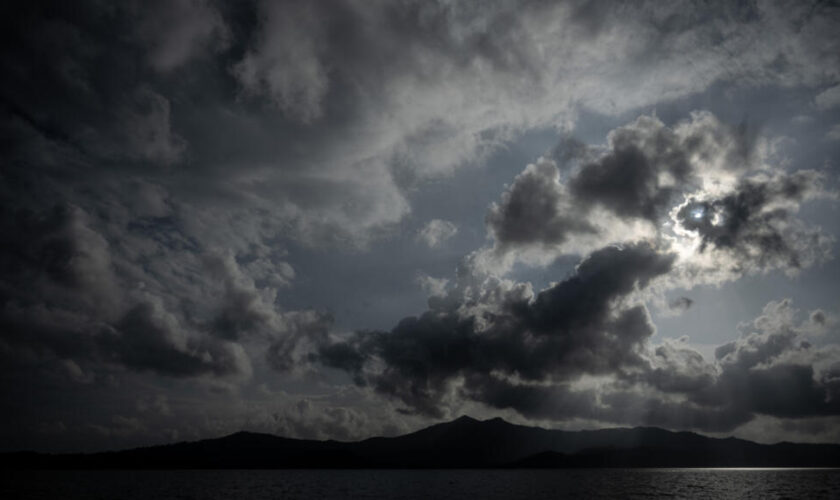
461	443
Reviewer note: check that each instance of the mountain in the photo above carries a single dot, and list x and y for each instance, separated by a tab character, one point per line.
464	442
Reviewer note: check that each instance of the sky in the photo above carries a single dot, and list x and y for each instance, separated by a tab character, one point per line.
341	219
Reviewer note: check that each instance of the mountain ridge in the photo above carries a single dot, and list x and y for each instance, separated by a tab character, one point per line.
461	443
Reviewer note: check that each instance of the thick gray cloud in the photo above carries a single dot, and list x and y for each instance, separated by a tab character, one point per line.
732	213
716	183
533	210
755	221
70	103
326	114
63	297
646	164
638	175
176	32
512	361
772	370
150	338
575	327
593	193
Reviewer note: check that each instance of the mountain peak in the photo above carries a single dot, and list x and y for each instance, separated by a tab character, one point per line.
248	436
246	433
465	418
472	420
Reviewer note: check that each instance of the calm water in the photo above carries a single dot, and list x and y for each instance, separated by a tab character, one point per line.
425	484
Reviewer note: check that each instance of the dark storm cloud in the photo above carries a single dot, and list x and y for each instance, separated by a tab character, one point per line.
530	210
572	328
639	175
303	332
585	298
176	32
756	221
148	338
515	351
626	180
244	311
324	113
110	254
62	298
678	368
145	339
70	294
699	183
65	94
771	370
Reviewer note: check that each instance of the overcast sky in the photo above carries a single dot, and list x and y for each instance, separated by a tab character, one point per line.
351	218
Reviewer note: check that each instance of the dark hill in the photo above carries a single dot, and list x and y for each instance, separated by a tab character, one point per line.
464	442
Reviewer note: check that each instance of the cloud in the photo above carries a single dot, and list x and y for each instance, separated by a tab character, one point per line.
286	61
436	232
303	333
146	298
536	210
591	324
772	370
583	349
833	133
176	32
323	117
69	102
150	338
60	256
754	223
681	304
705	187
828	98
635	179
147	129
312	419
433	287
501	329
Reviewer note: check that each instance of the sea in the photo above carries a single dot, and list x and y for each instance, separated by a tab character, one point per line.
423	484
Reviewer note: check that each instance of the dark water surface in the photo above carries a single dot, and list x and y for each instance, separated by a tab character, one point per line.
425	484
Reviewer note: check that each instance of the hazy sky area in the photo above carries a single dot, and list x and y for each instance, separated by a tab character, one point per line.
350	218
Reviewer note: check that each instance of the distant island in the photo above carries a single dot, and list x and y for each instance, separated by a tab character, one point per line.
461	443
